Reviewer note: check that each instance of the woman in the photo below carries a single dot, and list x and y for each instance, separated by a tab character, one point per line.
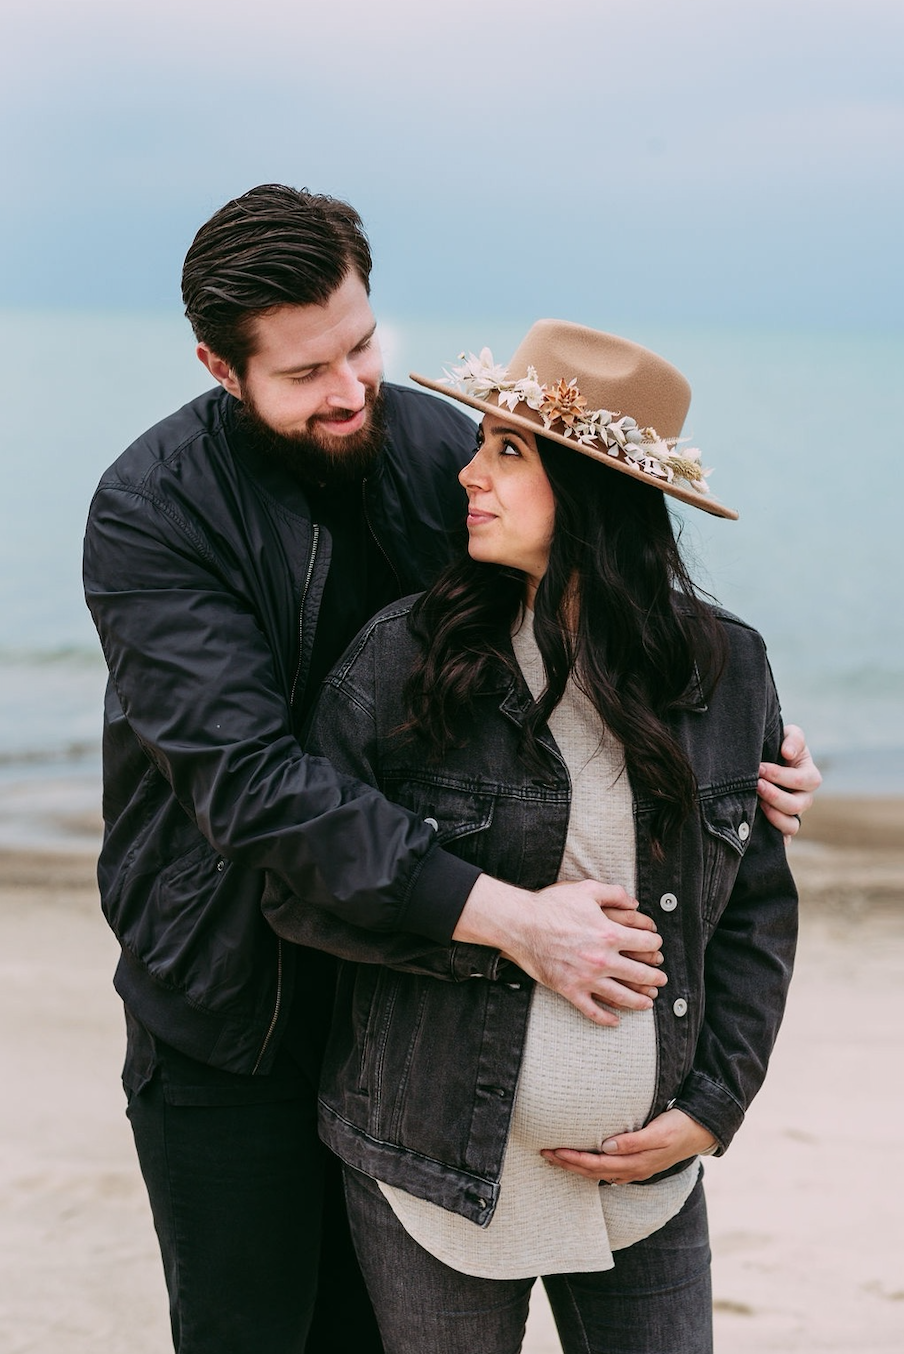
561	704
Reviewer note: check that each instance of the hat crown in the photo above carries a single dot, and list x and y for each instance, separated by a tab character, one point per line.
610	372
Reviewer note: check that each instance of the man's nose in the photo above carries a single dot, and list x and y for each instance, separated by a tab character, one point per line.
347	390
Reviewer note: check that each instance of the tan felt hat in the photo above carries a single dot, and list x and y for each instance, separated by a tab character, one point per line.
599	394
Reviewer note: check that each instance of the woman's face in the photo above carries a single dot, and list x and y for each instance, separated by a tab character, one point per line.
511	508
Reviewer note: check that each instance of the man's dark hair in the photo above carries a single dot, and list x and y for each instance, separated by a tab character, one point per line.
273	246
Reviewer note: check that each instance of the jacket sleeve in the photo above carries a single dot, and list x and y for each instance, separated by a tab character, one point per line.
319	929
747	970
344	730
201	691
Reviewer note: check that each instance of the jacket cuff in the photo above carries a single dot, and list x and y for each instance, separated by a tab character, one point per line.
711	1106
436	897
475	961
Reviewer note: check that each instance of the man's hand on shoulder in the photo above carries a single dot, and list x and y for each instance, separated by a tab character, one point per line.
786	790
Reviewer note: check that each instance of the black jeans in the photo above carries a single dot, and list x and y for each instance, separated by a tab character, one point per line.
657	1299
250	1216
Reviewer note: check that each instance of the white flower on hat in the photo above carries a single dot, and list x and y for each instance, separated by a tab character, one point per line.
652	465
480	376
526	391
592	427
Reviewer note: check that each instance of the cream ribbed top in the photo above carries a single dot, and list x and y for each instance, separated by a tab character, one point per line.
580	1083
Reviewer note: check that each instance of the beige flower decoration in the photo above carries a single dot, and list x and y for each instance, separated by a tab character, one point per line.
617	435
563	402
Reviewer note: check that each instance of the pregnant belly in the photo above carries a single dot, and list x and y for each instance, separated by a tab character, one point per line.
581	1082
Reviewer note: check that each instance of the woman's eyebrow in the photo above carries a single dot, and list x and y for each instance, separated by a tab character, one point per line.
504	430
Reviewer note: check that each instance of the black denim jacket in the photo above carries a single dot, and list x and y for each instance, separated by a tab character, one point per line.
420	1074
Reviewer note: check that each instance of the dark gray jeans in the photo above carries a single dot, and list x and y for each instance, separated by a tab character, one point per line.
657	1299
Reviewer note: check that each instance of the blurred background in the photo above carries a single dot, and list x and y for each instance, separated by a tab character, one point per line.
722	181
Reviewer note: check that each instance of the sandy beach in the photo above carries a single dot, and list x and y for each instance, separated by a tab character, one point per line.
805	1210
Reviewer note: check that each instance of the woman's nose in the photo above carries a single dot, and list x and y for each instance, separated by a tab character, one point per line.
473	475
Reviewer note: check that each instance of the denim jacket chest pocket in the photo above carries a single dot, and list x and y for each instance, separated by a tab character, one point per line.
728	815
460	814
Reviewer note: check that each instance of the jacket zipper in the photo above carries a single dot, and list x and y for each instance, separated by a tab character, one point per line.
315	541
315	530
377	542
277	1004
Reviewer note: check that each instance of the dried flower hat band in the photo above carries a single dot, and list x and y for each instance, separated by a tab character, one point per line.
601	395
563	409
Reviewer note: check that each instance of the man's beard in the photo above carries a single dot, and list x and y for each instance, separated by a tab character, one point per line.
321	462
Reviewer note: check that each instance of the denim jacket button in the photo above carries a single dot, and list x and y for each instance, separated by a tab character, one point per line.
431	822
680	1007
744	831
668	902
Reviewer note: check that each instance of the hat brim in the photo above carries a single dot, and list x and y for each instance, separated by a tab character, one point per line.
535	425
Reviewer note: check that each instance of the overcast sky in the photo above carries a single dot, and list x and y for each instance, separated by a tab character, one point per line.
725	160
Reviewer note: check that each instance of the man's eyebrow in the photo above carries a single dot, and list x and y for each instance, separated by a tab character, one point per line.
368	336
312	366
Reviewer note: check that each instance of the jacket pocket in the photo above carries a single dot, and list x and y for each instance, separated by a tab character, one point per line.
366	983
177	911
459	813
728	819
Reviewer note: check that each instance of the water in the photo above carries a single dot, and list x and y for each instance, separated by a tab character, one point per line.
804	431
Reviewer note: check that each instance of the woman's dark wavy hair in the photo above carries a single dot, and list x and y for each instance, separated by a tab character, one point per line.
643	630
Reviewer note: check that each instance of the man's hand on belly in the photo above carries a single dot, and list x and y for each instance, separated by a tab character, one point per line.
563	937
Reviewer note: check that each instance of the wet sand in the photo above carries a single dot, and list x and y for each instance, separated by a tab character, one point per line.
807	1227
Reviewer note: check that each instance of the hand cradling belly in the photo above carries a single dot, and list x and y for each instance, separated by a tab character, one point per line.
580	1083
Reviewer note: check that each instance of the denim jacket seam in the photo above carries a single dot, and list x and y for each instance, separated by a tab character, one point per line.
717	1087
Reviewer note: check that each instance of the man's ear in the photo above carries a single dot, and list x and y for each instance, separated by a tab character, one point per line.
219	370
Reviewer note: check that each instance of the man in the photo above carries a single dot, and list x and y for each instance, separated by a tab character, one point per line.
231	554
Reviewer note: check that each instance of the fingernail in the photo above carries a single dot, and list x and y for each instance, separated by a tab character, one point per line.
610	1145
653	992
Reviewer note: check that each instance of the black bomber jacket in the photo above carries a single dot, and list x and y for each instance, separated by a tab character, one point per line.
204	574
